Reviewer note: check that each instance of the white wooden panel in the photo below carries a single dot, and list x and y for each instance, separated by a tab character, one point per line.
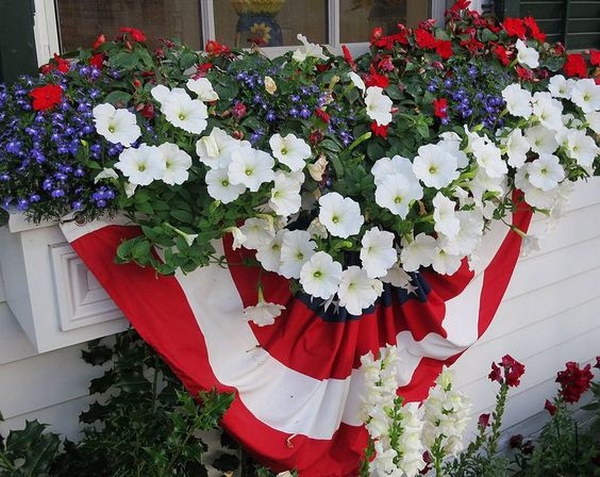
14	344
2	294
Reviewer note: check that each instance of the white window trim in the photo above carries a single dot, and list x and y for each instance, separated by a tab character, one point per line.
47	34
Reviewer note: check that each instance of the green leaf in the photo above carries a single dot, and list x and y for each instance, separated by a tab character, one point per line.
118	98
330	145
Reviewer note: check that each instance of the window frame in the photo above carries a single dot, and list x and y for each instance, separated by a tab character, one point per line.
47	34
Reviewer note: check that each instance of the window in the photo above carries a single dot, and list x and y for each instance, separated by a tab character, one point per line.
64	25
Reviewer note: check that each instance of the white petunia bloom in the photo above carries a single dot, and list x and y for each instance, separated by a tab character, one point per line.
586	95
251	167
290	150
308	50
444	216
177	163
526	55
142	165
518	100
357	291
203	89
269	255
534	196
541	139
446	263
379	106
317	169
215	149
417	253
220	188
560	87
482	184
258	233
263	313
469	235
181	110
296	249
546	172
489	157
581	147
239	238
106	173
517	148
285	195
378	254
434	168
321	276
385	167
340	215
548	110
357	81
118	126
450	144
593	120
397	193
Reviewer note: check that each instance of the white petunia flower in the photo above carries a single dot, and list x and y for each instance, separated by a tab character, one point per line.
106	173
161	93
518	100
285	195
251	167
379	106
142	165
517	148
177	163
340	215
220	188
560	87
581	147
308	50
357	291
398	277
129	189
586	95
317	169
397	192
527	56
489	157
239	238
118	126
215	149
534	196
546	172
482	184
469	234
444	216
378	254
290	150
321	276
450	144
258	233
385	167
182	111
434	168
297	248
593	120
541	139
548	110
203	89
417	253
269	255
263	313
357	81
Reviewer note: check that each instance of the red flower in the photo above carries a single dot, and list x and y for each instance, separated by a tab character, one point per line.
379	131
381	41
516	441
46	97
444	48
502	54
508	371
575	66
97	60
316	136
460	5
134	33
239	110
100	40
524	73
472	44
322	115
323	67
440	107
216	49
495	374
551	408
348	57
147	110
514	27
597	365
595	58
574	381
425	39
202	69
534	29
483	421
386	64
376	34
375	79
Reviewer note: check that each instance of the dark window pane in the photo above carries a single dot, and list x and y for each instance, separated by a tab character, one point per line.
277	22
359	17
81	21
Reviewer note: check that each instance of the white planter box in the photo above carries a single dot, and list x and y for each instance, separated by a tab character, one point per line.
55	298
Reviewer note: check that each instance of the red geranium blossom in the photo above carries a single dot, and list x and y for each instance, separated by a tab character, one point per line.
534	29
425	39
472	44
524	73
375	79
551	408
56	63
440	107
514	27
379	131
134	33
595	58
502	54
46	97
460	5
100	40
444	49
574	381
97	60
575	65
216	48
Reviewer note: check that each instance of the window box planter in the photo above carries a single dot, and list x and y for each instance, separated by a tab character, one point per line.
54	297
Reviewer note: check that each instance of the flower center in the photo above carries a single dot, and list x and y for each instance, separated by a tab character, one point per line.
318	274
300	256
181	116
141	167
249	172
432	170
397	199
111	129
224	182
335	219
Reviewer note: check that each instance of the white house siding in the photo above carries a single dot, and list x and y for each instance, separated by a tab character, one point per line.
550	315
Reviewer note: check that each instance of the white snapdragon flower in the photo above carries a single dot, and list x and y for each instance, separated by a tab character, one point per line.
203	89
489	157
383	462
593	121
379	106
321	276
586	95
409	443
181	110
548	110
541	139
258	233
177	163
433	167
377	253
397	192
118	126
308	50
269	254
385	167
220	188
357	81
142	165
340	215
517	148
526	55
417	253
285	195
518	100
251	167
297	248
581	147
444	215
560	87
215	150
546	172
357	291
290	150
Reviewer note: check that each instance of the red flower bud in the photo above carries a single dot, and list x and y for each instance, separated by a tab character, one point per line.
551	408
134	33
100	40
